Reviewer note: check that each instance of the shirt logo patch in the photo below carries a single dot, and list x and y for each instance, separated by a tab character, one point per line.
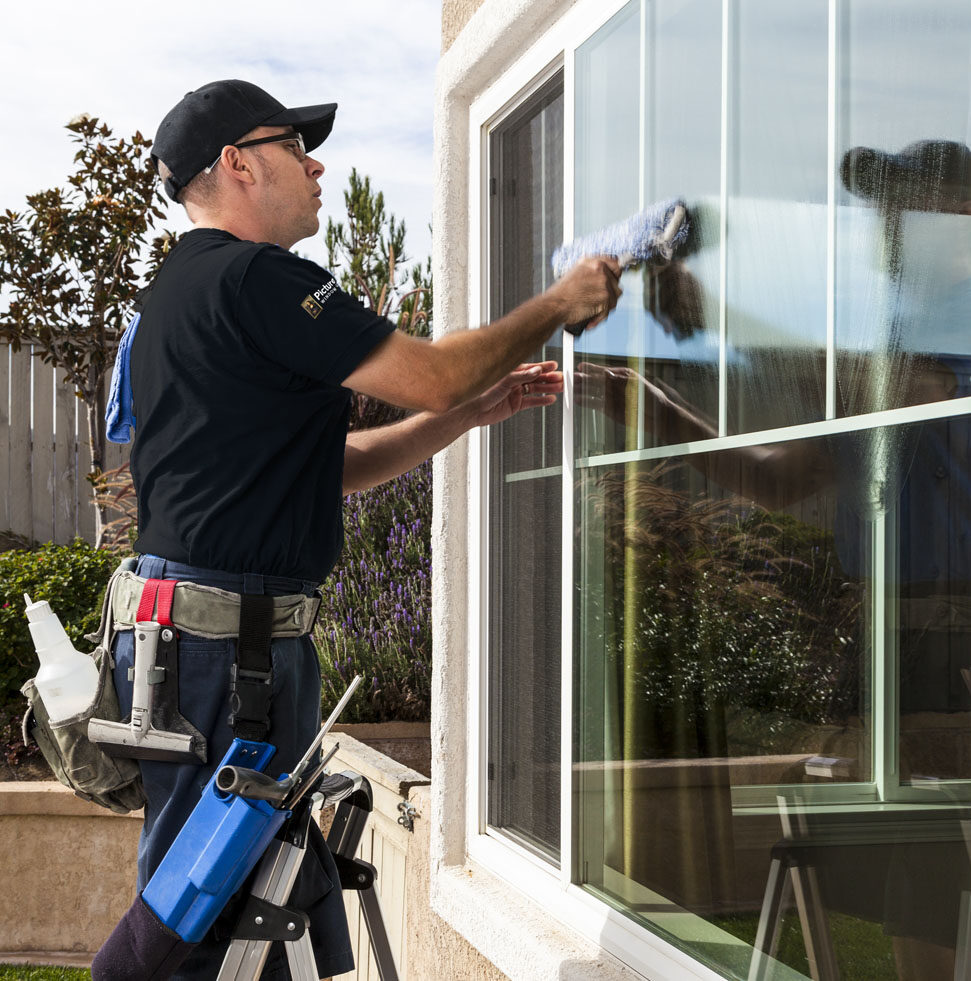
314	302
312	307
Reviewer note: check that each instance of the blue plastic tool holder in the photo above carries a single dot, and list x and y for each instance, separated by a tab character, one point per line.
215	850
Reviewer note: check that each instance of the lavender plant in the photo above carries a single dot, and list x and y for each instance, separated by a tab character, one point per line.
375	618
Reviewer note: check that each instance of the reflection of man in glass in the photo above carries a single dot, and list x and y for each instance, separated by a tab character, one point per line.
913	348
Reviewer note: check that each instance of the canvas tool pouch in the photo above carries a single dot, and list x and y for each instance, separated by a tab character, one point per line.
82	766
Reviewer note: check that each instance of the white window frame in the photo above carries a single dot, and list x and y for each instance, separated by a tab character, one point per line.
551	886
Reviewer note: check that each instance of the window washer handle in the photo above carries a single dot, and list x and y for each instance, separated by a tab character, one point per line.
144	676
257	785
253	784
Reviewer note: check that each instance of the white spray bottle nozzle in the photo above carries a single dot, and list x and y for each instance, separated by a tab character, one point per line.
37	611
67	679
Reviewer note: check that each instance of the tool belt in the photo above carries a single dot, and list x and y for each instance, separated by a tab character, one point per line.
74	760
112	780
213	613
205	611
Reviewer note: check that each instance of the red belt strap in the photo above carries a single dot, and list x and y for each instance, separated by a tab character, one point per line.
163	590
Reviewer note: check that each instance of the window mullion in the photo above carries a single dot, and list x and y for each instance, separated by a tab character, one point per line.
723	225
567	809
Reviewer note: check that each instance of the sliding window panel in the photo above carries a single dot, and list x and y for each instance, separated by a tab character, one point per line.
777	213
903	306
524	493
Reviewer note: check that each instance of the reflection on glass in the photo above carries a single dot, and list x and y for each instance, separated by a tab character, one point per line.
902	329
903	272
526	162
777	188
773	643
607	114
933	622
731	604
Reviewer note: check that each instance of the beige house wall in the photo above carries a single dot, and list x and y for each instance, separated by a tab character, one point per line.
455	15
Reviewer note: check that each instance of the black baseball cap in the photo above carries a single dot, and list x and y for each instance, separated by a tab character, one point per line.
922	173
193	133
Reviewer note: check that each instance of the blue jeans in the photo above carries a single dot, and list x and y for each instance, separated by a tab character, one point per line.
173	789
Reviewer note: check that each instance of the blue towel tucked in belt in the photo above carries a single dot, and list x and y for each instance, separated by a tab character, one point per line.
120	413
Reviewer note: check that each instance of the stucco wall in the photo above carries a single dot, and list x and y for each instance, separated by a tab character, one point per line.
76	866
455	15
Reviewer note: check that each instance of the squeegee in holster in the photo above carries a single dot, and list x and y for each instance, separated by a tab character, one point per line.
155	730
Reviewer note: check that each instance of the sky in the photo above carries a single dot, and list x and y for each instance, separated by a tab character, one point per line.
129	63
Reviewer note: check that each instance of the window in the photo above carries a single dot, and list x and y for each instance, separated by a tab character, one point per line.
762	486
526	210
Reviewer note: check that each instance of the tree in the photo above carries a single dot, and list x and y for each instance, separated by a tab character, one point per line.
367	253
375	618
72	261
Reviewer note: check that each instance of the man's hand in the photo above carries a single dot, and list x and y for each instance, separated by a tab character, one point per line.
527	387
589	291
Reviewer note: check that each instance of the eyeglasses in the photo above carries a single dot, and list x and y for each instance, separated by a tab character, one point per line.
296	138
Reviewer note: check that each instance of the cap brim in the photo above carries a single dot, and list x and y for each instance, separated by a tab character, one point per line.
314	123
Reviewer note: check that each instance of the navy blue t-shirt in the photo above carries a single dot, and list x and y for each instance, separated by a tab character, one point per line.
236	373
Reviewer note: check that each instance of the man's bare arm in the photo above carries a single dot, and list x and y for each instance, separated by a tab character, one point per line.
442	374
373	456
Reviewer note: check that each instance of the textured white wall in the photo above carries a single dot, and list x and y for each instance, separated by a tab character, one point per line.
455	15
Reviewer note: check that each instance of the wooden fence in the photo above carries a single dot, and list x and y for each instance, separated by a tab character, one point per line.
45	454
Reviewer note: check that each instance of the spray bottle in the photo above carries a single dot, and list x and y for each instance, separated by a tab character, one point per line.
67	680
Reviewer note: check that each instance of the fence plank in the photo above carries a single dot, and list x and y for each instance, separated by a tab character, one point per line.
65	461
116	455
4	437
21	514
86	522
42	452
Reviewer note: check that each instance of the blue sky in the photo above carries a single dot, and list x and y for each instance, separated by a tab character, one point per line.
129	63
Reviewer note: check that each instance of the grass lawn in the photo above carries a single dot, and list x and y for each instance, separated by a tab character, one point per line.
863	951
33	972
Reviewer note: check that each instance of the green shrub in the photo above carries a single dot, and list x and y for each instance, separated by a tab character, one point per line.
72	578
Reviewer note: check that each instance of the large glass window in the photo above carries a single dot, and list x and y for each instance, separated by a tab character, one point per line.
771	494
526	221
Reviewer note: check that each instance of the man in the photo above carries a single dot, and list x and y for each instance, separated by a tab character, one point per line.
242	370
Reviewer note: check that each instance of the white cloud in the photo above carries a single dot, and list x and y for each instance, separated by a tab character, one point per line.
128	64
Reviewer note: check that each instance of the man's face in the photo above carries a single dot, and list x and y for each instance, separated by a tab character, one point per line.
289	195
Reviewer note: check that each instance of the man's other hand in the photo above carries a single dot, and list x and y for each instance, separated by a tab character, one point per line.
527	387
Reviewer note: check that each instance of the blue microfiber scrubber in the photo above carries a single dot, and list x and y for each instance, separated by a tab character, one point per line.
653	234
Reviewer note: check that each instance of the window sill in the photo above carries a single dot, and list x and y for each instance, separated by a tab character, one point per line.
515	933
521	918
